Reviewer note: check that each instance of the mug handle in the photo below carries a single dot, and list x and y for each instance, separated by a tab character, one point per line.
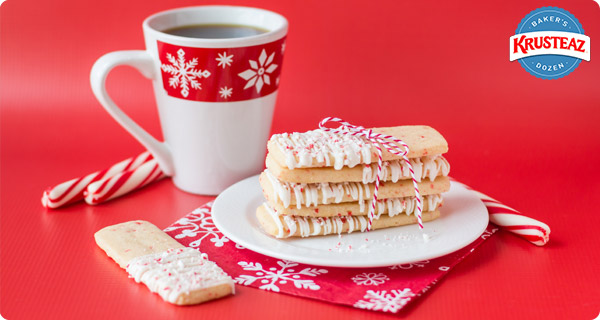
143	62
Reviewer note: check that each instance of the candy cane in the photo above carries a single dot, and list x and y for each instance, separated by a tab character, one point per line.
72	190
392	144
123	183
511	220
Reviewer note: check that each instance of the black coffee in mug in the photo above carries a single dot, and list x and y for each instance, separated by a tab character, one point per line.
215	31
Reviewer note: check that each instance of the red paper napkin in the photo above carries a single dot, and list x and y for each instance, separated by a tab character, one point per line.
387	289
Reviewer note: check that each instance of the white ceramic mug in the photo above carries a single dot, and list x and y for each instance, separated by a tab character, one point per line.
215	96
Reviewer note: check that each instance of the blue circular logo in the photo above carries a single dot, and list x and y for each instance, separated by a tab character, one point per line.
547	20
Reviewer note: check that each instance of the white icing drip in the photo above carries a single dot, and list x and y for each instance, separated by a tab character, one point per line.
363	223
291	224
301	148
304	225
426	167
275	218
328	225
317	227
308	194
432	168
298	195
314	197
177	271
350	224
406	205
338	223
327	192
281	191
367	173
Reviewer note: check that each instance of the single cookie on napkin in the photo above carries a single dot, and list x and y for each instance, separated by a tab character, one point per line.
180	275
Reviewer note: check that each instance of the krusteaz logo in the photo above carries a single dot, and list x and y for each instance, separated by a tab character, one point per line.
549	43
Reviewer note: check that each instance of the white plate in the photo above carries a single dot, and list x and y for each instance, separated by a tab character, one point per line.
463	219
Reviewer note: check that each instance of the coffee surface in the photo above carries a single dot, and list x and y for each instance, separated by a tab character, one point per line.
215	31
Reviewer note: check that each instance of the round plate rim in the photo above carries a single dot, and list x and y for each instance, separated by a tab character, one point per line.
331	262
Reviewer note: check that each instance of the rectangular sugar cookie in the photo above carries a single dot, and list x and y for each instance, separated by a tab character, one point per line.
303	195
125	241
293	226
395	170
178	274
318	148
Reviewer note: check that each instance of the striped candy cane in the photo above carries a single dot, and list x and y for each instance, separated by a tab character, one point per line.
392	144
123	183
72	190
511	220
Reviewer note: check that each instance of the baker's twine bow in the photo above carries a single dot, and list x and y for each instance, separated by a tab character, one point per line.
391	144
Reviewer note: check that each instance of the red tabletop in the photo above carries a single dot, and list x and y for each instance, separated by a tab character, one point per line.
531	143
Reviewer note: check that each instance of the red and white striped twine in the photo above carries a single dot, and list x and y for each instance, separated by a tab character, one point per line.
511	220
73	190
392	144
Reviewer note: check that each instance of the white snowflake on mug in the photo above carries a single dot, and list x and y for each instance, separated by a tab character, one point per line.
224	60
225	92
259	73
370	279
272	277
182	72
383	301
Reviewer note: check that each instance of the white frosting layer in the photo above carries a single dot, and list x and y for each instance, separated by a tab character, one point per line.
307	194
425	167
322	226
331	225
301	148
177	271
406	205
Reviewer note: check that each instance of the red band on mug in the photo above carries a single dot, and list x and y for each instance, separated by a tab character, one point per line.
221	74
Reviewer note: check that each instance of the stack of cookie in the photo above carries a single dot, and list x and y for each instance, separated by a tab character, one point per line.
320	182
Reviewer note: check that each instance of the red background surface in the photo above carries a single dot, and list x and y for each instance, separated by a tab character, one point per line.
531	143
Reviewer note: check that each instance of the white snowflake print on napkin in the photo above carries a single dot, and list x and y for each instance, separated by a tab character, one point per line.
383	301
405	266
224	60
370	279
183	73
259	72
272	277
198	222
225	92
